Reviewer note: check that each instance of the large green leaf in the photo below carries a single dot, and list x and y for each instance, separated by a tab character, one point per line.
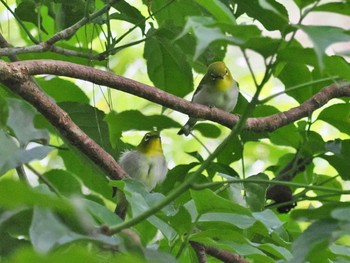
20	120
287	136
90	120
140	201
207	31
91	177
340	157
293	74
337	115
207	201
176	13
12	156
324	36
27	11
256	193
270	19
48	232
63	90
166	64
220	11
65	182
128	13
16	194
342	8
316	237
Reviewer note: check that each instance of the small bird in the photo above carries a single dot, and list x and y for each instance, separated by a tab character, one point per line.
216	89
146	163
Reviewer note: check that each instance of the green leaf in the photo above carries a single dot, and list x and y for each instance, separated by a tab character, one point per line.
304	3
240	221
298	55
340	158
128	13
342	8
20	120
47	232
269	19
268	219
341	214
83	168
287	136
208	130
70	92
337	115
220	11
337	66
265	46
205	31
16	194
255	192
4	112
27	11
317	236
101	213
12	156
207	201
65	182
166	64
135	120
140	201
294	74
324	36
68	12
90	120
177	12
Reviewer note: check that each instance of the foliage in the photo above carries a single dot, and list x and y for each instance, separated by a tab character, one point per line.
65	210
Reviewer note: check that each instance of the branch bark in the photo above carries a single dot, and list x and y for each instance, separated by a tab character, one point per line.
262	124
22	84
17	76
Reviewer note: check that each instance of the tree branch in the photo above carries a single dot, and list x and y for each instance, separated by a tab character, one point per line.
262	124
21	83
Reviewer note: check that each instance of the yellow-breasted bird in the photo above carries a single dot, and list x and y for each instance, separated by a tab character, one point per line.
216	89
146	163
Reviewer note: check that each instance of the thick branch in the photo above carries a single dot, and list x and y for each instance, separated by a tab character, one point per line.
269	123
21	83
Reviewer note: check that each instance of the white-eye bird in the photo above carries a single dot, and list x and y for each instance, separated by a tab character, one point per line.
216	89
146	163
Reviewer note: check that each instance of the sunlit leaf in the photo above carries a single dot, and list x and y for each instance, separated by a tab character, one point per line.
221	12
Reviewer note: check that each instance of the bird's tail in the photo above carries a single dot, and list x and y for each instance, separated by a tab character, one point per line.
187	128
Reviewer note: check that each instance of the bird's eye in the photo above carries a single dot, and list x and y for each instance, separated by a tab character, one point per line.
147	136
226	72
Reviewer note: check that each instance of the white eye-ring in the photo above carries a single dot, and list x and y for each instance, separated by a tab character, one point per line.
147	136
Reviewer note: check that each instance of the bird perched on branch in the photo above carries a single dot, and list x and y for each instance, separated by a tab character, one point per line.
146	163
216	89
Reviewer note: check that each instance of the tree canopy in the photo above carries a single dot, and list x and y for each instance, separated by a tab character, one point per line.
82	81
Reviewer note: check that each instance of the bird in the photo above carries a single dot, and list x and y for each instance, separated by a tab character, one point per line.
216	89
146	164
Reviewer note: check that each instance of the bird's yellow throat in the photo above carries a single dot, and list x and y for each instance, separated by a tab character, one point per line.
224	84
153	148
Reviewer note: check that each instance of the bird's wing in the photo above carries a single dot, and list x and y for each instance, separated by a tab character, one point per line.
201	85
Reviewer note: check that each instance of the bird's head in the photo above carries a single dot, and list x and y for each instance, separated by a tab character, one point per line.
220	75
151	144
